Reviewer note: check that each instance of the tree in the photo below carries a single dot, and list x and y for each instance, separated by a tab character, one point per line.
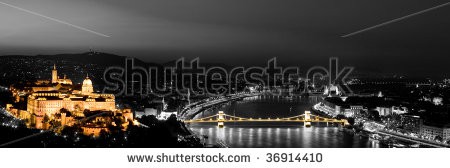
374	115
46	118
438	138
351	120
340	117
363	113
173	125
172	120
68	113
55	124
71	130
103	134
149	120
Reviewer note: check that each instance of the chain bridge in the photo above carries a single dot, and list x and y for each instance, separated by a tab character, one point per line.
307	119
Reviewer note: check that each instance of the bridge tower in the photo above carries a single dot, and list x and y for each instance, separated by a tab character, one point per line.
307	122
220	119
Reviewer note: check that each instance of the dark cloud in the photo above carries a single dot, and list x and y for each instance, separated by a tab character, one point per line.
299	32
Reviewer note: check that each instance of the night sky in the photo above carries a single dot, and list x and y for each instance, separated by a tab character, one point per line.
299	32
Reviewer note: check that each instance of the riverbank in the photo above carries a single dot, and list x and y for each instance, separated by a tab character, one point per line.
191	110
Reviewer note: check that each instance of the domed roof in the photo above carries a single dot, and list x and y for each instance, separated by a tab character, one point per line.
87	81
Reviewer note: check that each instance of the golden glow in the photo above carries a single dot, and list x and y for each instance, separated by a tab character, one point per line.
49	97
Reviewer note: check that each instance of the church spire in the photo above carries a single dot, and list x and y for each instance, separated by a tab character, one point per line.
54	74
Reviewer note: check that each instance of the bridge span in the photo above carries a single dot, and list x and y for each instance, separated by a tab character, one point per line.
307	118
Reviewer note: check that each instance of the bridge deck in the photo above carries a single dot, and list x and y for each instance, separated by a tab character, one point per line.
262	120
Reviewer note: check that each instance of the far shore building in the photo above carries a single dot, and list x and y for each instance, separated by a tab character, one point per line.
436	131
389	110
146	112
166	115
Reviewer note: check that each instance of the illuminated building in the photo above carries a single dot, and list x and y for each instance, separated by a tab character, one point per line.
62	101
389	110
332	90
56	79
435	131
354	110
50	102
87	87
43	102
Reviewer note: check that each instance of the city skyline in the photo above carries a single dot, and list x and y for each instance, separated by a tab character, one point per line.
379	113
359	70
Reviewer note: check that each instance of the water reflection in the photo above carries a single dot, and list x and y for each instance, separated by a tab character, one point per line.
263	137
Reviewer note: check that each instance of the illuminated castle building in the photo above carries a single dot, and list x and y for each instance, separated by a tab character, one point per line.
53	100
41	103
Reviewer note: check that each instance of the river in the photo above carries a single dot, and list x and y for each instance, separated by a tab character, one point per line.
276	135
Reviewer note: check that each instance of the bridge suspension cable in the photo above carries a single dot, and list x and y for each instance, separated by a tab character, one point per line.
306	118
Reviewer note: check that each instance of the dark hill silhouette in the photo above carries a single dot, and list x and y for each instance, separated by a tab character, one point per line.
96	58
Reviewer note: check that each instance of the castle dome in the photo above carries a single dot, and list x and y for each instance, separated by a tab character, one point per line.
87	81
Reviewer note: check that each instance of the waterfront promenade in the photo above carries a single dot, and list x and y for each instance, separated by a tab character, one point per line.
412	139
